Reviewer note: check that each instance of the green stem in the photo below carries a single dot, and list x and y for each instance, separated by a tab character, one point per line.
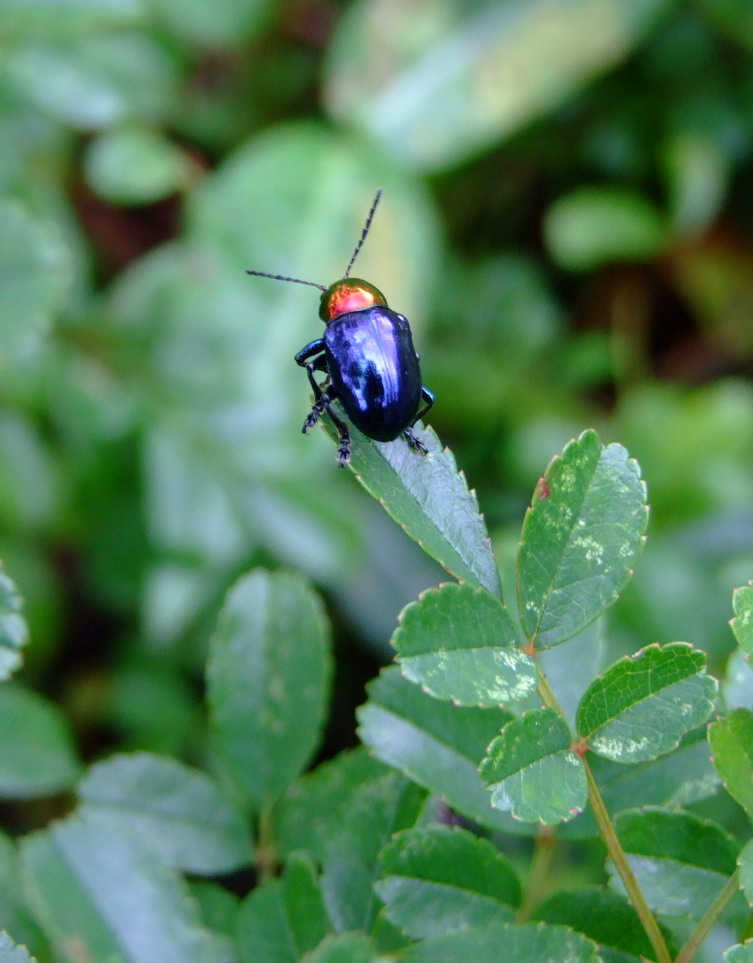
617	854
540	865
266	856
708	921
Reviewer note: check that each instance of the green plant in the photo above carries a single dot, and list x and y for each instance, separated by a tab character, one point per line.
490	751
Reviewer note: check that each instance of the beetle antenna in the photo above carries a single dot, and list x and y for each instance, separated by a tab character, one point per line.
279	277
364	232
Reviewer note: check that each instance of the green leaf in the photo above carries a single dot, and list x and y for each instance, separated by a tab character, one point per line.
344	948
134	165
459	643
180	809
604	916
436	744
696	171
10	952
103	892
745	865
14	632
437	880
531	771
731	741
227	24
351	863
19	15
681	862
471	74
742	953
430	499
596	225
34	278
742	623
268	681
40	759
314	806
90	79
527	943
642	705
581	536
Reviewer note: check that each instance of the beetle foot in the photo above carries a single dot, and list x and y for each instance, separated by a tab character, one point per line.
312	418
343	452
415	443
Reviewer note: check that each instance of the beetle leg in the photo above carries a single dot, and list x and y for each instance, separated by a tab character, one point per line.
312	348
428	399
415	442
323	396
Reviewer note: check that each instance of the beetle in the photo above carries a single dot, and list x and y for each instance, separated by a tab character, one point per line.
368	359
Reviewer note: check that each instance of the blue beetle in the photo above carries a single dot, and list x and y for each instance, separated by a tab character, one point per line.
368	358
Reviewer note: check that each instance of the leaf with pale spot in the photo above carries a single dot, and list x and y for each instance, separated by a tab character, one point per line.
644	704
459	643
742	623
531	771
580	539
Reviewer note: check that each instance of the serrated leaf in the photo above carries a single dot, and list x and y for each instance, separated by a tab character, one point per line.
14	632
459	643
103	892
604	916
642	705
531	771
681	862
436	744
40	759
179	808
344	948
580	538
430	499
436	880
312	809
526	943
731	741
742	623
268	681
10	952
351	863
471	74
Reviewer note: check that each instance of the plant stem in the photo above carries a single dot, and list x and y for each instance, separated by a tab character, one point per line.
608	834
542	860
709	919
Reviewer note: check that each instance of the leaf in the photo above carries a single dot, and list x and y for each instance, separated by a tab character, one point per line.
436	880
351	863
531	771
604	916
596	225
459	643
14	632
314	806
268	681
471	74
134	165
436	744
344	948
103	892
745	865
430	499
742	623
40	759
527	943
681	862
742	953
642	705
580	538
34	278
180	809
12	953
731	741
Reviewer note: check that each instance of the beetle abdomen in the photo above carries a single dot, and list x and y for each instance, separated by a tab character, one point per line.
374	367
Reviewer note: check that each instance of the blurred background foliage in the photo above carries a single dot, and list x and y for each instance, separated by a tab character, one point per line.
567	222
